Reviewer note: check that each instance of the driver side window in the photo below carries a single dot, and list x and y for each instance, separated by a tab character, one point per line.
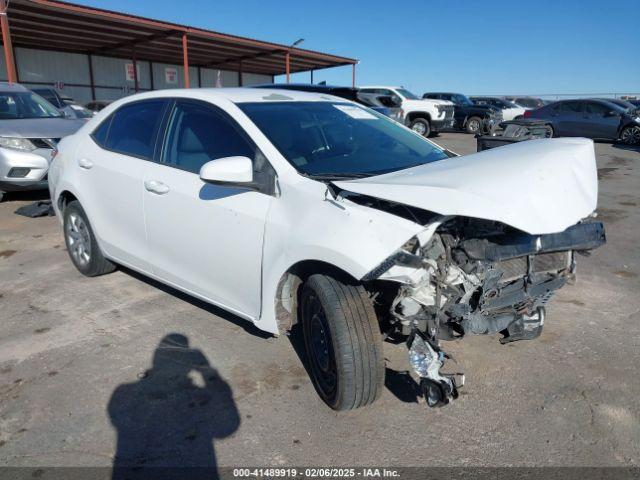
597	108
198	134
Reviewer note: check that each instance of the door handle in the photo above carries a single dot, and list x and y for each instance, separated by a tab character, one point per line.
85	163
157	187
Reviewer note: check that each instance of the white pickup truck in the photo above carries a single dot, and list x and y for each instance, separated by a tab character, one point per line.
423	116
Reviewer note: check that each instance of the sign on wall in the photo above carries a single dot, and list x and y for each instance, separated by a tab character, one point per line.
171	75
129	72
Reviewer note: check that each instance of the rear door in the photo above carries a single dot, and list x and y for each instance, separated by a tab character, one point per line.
204	238
569	118
601	120
111	168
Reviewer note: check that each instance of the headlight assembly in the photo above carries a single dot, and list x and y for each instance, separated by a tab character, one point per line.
23	144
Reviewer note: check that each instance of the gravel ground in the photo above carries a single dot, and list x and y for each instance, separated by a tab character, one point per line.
88	366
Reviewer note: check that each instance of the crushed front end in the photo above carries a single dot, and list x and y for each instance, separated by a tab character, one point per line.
472	276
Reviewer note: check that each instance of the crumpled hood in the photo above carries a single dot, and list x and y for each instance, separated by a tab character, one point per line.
39	127
537	186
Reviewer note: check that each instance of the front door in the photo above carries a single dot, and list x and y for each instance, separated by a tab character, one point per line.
601	121
204	238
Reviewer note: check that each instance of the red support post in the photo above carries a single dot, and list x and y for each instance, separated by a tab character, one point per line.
6	41
185	60
286	65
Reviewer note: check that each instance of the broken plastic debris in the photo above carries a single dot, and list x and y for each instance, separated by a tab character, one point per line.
424	359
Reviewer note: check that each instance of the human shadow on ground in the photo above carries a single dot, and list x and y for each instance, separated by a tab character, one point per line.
168	420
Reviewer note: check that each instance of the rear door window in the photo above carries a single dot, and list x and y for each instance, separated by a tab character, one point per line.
569	107
134	128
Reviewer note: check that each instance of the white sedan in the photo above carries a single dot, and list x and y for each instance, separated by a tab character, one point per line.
510	111
303	211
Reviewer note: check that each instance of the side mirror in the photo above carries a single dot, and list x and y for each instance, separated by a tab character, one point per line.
228	170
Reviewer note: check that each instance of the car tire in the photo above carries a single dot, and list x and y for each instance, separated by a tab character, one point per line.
1	195
630	135
473	125
342	341
81	242
552	133
421	126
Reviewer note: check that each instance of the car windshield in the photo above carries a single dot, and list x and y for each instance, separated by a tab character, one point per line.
461	99
339	140
621	103
407	94
15	105
50	96
80	111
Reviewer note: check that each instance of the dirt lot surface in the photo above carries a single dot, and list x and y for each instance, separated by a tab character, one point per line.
84	369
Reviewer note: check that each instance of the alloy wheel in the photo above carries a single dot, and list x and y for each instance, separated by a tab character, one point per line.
79	239
474	125
631	135
419	128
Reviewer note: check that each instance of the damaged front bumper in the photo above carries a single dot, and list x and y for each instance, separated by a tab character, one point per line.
474	277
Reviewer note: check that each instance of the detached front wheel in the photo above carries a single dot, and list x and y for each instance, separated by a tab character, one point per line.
343	342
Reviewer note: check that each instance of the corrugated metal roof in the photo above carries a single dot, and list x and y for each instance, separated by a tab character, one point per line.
63	26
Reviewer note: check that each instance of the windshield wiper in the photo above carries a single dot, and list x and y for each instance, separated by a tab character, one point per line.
337	176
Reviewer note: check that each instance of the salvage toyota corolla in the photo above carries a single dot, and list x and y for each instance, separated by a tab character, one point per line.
292	208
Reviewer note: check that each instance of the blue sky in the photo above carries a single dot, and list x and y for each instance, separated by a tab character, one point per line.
474	47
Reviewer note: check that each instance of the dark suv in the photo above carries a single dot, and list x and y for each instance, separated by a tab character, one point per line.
468	116
591	118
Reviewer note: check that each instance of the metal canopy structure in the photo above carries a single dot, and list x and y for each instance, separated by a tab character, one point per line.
68	27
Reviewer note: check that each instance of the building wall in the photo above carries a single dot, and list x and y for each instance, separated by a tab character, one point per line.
69	73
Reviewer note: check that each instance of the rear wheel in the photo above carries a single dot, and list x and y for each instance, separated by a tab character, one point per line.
474	125
421	126
1	195
343	342
81	243
551	133
630	135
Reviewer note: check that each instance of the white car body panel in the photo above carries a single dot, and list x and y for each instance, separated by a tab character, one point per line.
512	113
206	238
538	186
232	246
113	184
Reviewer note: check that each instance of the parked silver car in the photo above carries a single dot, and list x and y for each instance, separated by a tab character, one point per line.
30	128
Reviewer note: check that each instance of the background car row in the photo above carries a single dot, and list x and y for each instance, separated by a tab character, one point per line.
33	121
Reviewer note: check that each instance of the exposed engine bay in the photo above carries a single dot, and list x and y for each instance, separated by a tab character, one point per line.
471	276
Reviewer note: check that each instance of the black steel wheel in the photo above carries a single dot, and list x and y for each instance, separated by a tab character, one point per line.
342	342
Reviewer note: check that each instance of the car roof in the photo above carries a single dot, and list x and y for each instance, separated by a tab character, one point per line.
379	86
236	95
293	86
12	87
